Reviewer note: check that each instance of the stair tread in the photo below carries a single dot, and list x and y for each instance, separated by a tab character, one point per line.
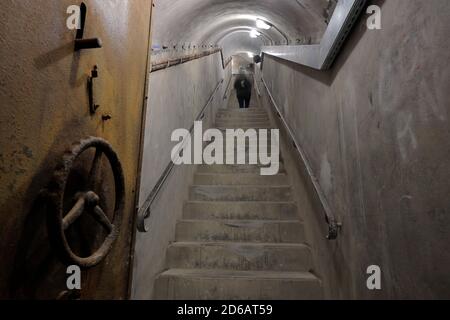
255	121
258	165
248	230
247	127
240	202
237	113
244	274
239	186
247	174
243	118
219	186
246	110
237	210
238	244
241	221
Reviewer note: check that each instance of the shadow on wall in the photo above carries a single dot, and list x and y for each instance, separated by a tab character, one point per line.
54	56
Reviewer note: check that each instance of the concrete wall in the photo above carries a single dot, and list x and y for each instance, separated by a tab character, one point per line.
376	131
44	109
177	95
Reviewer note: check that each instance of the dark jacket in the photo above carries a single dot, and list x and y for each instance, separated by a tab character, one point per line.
243	87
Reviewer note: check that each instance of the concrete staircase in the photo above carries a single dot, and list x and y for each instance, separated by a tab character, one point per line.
241	236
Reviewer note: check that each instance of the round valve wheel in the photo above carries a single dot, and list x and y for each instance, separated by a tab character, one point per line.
86	202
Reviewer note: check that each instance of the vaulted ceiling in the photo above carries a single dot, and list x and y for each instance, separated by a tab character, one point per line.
227	23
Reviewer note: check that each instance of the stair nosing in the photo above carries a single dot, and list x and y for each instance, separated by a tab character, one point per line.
241	202
240	274
240	174
270	245
242	220
236	186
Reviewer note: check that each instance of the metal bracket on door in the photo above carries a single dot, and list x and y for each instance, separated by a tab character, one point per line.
80	43
92	106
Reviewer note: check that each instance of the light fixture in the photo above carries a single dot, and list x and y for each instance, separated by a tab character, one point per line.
254	33
250	54
261	24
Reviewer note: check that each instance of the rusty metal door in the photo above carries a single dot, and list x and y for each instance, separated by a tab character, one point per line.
70	130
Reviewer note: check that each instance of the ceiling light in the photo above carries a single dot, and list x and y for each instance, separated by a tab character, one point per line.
254	34
261	24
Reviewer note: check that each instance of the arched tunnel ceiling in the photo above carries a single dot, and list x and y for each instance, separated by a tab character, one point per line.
238	42
227	23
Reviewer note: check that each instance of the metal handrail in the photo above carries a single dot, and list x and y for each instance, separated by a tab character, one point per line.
144	213
225	96
333	225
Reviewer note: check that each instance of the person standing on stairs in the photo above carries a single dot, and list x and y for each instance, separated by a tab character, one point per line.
243	89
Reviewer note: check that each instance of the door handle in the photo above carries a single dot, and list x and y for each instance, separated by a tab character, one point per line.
92	106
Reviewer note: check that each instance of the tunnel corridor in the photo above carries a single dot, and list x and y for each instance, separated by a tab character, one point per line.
225	150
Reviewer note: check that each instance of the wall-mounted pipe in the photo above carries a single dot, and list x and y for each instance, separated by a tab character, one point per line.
186	58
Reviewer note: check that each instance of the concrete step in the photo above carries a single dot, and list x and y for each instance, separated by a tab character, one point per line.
253	150
240	193
239	256
182	284
236	111
233	113
244	157
241	210
238	169
238	125
235	139
240	179
246	145
232	117
243	121
224	131
254	147
287	231
240	117
257	127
